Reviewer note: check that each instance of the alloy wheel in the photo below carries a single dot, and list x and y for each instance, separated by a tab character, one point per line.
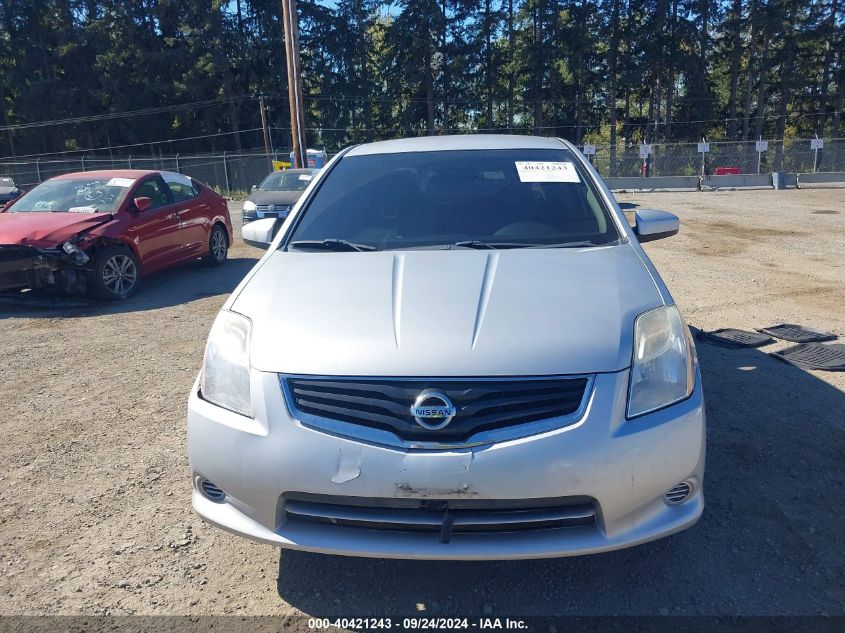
120	274
218	246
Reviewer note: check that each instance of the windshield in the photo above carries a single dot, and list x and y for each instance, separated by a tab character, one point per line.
286	181
74	195
471	199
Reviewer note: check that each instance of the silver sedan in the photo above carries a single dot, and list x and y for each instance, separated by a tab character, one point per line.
454	348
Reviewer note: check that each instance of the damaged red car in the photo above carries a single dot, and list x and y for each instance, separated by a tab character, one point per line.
100	232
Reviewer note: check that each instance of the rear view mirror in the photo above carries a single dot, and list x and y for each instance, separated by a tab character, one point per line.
143	203
655	225
259	233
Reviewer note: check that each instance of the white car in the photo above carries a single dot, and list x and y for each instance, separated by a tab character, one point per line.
454	348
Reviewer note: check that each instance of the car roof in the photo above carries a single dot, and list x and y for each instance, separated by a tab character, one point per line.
110	173
457	142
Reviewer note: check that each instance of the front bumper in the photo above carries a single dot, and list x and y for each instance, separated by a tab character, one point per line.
624	466
280	212
27	267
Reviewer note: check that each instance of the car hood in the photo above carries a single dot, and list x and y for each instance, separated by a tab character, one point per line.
46	229
274	197
447	313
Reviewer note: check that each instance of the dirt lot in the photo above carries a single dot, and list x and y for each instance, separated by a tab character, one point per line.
95	510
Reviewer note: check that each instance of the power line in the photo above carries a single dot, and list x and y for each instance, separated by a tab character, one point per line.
584	126
125	114
106	147
345	98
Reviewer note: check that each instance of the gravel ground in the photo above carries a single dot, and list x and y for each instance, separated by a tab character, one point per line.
95	513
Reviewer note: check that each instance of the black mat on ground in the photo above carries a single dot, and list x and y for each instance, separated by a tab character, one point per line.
798	333
730	337
815	356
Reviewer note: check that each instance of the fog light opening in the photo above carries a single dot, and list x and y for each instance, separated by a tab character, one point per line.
212	492
679	493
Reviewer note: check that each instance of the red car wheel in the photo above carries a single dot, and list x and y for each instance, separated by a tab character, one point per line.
116	274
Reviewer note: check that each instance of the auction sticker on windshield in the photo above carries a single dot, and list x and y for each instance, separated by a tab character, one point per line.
546	171
120	182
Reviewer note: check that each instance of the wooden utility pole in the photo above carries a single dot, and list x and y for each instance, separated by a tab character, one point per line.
290	25
266	132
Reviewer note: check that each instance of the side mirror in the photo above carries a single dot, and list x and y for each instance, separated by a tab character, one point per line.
143	203
254	187
259	233
655	225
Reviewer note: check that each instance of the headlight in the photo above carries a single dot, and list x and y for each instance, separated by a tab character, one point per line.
79	258
663	370
225	371
249	205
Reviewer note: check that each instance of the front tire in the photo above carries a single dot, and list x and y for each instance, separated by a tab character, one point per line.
117	274
218	246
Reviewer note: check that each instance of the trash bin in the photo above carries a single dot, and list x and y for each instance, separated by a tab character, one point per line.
778	180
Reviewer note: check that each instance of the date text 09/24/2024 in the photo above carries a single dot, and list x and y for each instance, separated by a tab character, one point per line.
418	623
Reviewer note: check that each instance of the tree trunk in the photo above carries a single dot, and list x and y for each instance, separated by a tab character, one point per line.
828	61
510	64
218	27
785	85
428	87
580	72
612	63
670	84
578	91
537	78
736	50
704	45
749	74
626	117
648	135
760	113
447	80
5	110
839	99
488	63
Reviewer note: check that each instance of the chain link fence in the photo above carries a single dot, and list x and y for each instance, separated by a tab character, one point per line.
228	173
684	159
237	173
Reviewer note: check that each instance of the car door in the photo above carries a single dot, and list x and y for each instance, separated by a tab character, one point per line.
194	213
157	229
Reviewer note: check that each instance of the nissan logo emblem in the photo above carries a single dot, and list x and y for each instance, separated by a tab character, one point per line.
433	410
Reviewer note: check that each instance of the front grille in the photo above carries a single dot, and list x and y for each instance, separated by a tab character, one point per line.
482	404
417	515
16	253
23	266
271	210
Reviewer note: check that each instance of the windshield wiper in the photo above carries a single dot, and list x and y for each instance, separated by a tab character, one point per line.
491	245
331	245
